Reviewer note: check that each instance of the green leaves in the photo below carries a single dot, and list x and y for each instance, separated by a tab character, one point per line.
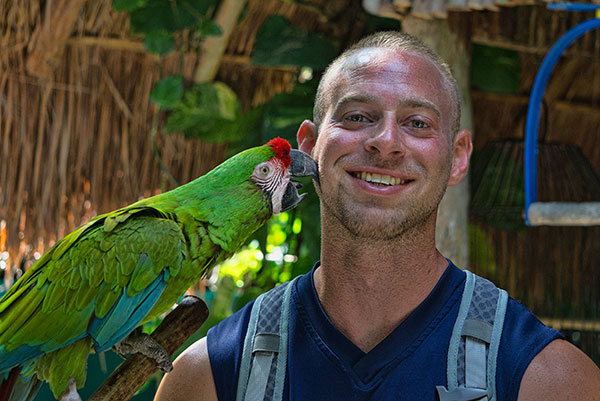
278	43
209	111
285	112
208	27
128	5
159	42
494	69
158	20
168	15
167	92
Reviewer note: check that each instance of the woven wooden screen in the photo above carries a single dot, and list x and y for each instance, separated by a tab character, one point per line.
552	270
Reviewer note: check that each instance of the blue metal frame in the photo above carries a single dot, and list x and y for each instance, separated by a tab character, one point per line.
537	93
566	6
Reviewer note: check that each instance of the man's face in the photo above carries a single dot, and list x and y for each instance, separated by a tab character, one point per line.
384	148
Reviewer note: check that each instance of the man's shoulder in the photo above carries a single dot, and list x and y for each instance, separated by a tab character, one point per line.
225	342
191	378
549	367
225	339
536	363
526	328
561	372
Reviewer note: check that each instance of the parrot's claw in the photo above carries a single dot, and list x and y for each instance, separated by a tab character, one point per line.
145	345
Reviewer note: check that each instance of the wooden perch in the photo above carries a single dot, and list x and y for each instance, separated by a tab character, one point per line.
177	327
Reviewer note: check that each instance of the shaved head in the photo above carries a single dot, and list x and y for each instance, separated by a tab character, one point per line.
361	55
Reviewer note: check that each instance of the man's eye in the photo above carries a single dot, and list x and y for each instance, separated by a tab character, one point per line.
357	118
418	124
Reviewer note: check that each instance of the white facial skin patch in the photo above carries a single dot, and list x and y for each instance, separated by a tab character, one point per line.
359	60
370	59
363	59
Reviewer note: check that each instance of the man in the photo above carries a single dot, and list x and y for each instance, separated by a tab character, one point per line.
373	320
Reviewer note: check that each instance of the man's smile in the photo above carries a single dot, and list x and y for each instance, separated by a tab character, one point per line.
381	179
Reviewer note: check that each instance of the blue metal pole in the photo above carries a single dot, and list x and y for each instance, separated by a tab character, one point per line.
535	102
566	6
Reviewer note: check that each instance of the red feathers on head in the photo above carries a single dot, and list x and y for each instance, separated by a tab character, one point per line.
282	148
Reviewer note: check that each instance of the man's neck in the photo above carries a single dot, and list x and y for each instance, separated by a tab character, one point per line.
368	287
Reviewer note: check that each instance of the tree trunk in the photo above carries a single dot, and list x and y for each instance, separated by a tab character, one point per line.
452	225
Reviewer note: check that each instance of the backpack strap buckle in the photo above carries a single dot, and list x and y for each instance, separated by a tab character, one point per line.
462	394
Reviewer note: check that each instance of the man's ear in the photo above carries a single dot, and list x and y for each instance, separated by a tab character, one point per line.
307	136
461	154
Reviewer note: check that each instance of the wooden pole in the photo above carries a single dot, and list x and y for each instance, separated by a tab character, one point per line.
452	225
177	327
214	47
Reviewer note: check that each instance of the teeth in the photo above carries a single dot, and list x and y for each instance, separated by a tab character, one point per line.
380	178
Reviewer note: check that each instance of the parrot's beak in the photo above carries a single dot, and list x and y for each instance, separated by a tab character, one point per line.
302	166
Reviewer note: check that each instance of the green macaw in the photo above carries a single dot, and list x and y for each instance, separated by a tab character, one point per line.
96	285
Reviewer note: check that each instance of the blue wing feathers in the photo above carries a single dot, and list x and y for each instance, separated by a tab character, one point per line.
125	315
17	356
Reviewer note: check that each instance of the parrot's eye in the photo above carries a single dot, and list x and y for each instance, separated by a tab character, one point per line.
263	172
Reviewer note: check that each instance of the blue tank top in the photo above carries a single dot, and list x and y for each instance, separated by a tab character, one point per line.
407	365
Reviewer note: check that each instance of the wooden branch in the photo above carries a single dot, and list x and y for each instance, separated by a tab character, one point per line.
577	108
177	327
214	47
564	214
523	48
561	106
51	36
513	99
112	88
109	43
138	46
572	324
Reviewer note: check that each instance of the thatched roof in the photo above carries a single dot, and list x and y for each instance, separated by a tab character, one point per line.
76	123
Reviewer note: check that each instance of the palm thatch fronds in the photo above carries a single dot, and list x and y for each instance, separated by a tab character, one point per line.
78	131
76	122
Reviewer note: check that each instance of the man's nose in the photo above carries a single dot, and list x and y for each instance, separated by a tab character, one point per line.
386	139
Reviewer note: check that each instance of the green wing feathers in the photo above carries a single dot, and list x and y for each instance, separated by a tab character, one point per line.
53	306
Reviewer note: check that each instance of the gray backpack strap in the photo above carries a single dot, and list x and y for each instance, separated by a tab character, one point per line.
264	357
473	349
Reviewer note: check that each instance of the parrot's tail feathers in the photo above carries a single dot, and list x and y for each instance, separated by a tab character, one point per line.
16	388
26	390
8	382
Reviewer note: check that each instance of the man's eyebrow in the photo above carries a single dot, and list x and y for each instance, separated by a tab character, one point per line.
366	98
422	104
354	98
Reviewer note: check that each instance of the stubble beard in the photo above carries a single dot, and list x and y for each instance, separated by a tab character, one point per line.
405	221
